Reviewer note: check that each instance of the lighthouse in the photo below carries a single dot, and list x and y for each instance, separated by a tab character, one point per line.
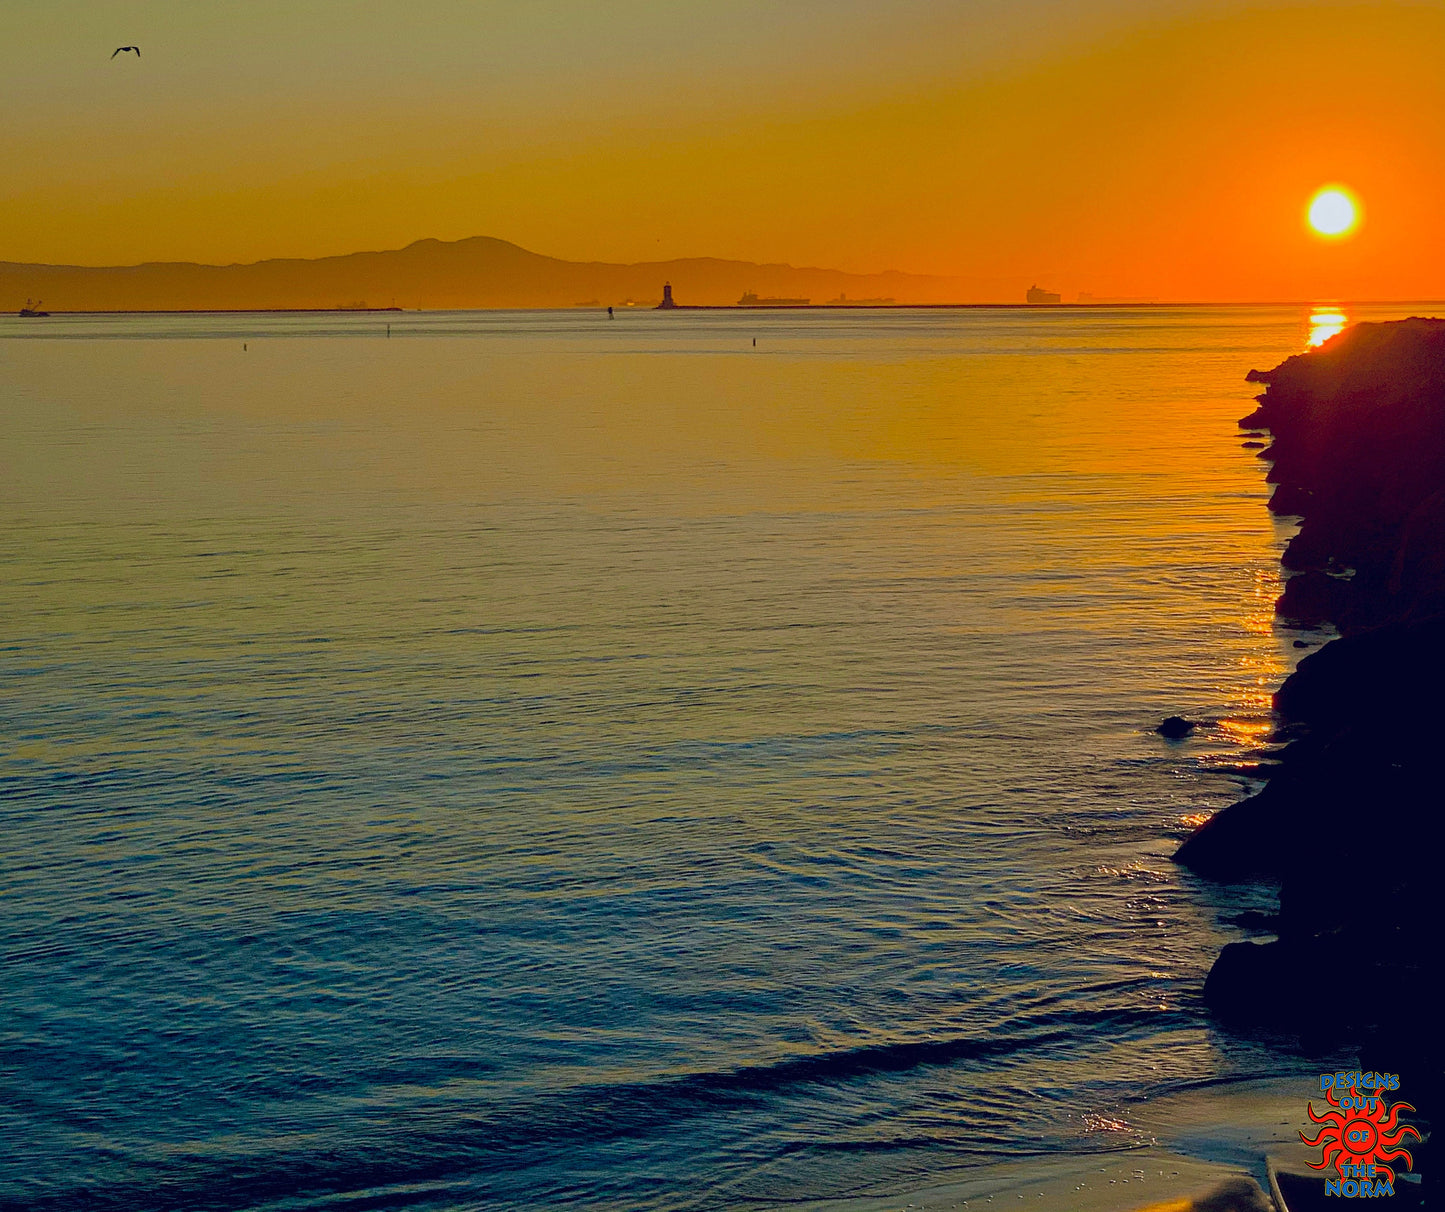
667	304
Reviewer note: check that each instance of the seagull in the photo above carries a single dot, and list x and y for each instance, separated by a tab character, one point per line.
118	49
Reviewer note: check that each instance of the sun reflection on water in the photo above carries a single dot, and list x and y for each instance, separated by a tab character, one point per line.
1247	730
1326	322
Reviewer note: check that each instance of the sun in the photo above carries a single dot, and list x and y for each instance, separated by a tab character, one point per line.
1333	212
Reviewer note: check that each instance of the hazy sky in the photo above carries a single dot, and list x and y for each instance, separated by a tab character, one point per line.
1151	147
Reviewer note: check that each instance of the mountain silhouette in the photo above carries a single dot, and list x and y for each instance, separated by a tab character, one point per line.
477	272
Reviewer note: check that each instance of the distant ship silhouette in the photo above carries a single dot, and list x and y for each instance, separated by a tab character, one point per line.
1036	295
752	300
29	310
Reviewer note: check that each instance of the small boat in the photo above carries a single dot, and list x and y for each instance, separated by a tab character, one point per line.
33	309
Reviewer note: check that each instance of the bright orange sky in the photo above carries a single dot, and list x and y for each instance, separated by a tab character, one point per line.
1165	148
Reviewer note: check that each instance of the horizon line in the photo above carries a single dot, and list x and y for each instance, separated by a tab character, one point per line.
792	307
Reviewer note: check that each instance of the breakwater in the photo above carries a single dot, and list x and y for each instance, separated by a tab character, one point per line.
1349	821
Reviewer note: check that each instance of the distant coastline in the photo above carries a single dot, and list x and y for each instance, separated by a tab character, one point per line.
226	311
480	273
740	307
623	309
487	274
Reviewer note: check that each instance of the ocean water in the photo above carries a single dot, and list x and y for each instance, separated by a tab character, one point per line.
530	760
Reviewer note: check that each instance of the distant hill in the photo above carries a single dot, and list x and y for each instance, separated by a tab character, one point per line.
479	272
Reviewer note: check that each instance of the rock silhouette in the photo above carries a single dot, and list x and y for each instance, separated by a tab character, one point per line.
1352	822
1176	727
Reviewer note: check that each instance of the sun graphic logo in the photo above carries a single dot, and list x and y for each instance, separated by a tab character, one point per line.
1361	1133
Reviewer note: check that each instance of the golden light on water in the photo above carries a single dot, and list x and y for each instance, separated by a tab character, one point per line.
1325	322
1334	212
1248	730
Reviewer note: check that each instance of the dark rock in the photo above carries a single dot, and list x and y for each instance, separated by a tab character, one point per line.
1313	598
1258	984
1254	770
1390	679
1309	549
1176	727
1359	433
1291	499
1255	919
1234	1195
1352	824
1240	843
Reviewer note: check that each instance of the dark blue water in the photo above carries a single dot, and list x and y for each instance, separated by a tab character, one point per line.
527	762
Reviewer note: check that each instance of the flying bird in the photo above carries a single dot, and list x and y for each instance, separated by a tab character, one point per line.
118	50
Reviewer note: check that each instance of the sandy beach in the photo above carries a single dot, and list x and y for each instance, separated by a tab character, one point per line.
1207	1154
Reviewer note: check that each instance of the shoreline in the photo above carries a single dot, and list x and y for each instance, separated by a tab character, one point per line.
1356	449
1208	1149
1347	823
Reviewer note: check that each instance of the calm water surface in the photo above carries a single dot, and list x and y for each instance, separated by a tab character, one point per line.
532	760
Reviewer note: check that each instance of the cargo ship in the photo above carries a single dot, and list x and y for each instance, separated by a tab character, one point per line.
1037	295
752	300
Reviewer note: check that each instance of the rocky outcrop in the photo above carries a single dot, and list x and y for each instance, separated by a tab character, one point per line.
1351	824
1358	450
1176	728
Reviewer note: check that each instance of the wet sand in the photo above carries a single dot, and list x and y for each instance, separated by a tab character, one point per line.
1203	1143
